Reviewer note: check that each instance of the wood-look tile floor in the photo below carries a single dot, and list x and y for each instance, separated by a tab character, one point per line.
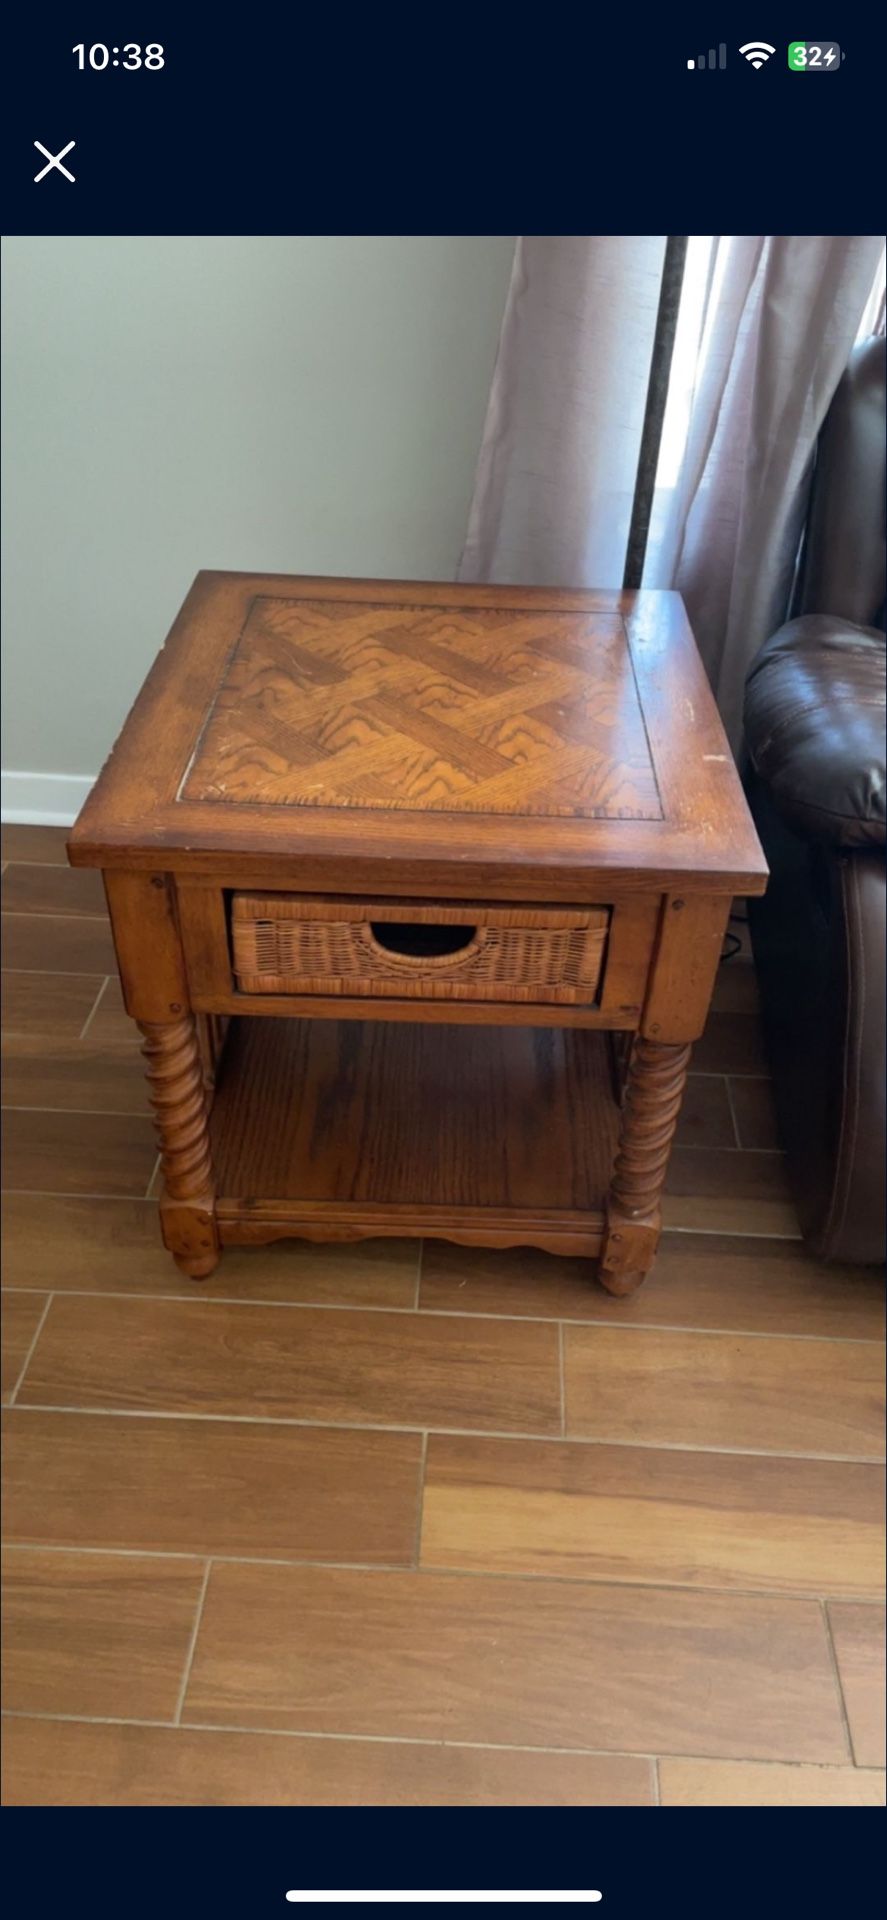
403	1526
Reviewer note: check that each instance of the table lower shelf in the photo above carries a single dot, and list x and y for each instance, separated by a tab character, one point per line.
496	1136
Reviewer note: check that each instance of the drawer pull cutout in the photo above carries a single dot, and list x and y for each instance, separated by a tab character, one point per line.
410	941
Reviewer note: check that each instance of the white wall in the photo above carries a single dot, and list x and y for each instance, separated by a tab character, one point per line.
298	405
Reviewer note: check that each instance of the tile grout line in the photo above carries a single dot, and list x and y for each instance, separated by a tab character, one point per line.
205	1300
797	1596
197	1554
189	1657
440	1313
652	1762
468	1433
561	1377
52	973
29	1355
731	1105
732	1232
420	1502
149	1195
418	1740
413	1740
365	1739
453	1313
84	1113
58	1193
836	1676
98	1000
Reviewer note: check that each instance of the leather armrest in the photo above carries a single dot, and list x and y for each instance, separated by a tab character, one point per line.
814	726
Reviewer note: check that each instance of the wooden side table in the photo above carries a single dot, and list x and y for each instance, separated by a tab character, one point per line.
418	895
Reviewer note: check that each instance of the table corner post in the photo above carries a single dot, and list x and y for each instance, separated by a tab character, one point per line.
682	978
154	981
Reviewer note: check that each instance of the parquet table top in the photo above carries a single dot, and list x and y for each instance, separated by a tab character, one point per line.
427	738
449	708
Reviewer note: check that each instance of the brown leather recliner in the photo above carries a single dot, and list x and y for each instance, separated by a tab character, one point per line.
814	724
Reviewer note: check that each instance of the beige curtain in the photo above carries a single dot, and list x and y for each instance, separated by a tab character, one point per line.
782	316
556	472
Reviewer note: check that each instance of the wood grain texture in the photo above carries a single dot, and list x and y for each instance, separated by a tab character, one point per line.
736	987
177	1095
702	1281
52	890
712	1190
311	1364
740	1783
422	1140
731	1043
148	946
19	1319
761	1286
48	1006
179	1100
725	1390
78	1076
441	1656
449	708
705	1119
653	1075
720	1174
472	1013
34	844
654	1089
111	1025
73	1244
85	1631
212	767
637	1514
78	1153
523	733
652	1101
207	1486
752	1103
54	1763
685	966
63	943
858	1633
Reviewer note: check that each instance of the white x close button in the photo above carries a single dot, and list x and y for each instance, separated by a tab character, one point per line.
54	161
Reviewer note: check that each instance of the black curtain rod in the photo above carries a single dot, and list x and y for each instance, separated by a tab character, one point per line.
654	412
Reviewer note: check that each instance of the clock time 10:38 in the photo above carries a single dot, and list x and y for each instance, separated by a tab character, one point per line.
129	57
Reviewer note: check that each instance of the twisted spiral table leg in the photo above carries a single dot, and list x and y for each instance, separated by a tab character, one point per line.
653	1096
178	1097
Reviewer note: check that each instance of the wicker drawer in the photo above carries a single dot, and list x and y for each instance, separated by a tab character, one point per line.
403	949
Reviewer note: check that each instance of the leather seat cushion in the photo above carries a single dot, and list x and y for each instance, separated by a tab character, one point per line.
814	725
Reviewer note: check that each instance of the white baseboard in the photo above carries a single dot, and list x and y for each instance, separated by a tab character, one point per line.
42	799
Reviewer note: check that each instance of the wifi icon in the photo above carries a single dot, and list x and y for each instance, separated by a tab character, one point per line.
757	51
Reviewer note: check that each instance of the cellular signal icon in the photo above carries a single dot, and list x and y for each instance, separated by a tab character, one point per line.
718	59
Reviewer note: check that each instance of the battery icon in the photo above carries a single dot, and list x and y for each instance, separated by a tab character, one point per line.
814	56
